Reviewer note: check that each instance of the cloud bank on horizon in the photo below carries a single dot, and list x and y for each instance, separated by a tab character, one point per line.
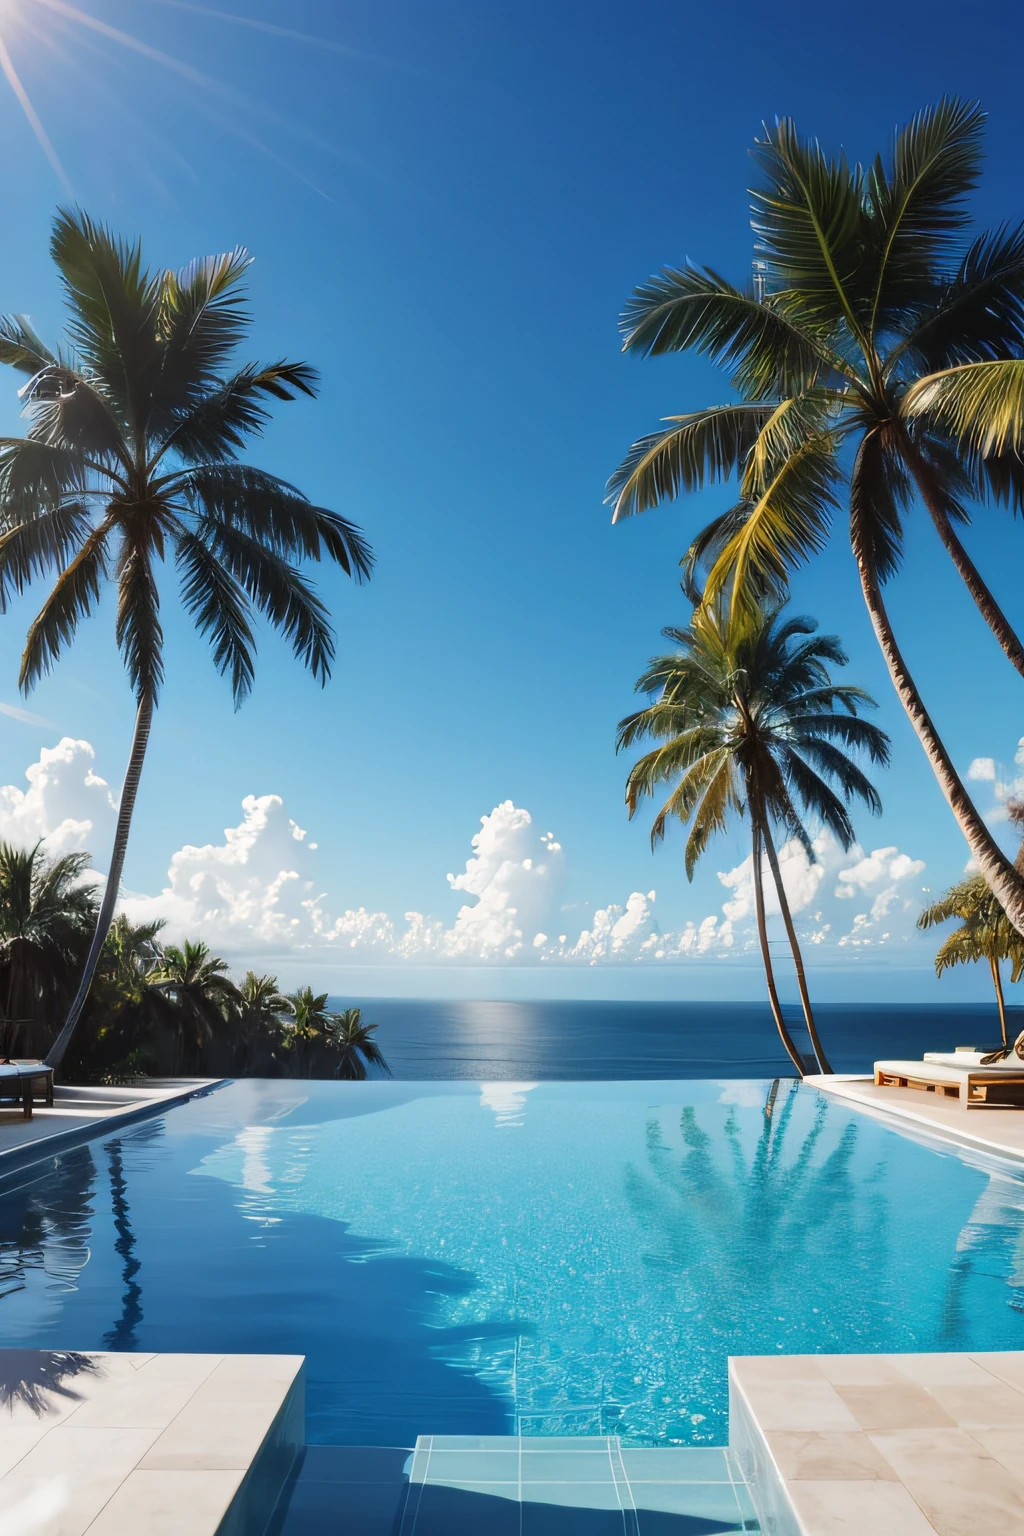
259	892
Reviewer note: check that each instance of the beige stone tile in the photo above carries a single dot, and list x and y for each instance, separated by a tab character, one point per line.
840	1455
1007	1364
142	1402
896	1405
17	1441
138	1360
857	1507
211	1437
1006	1445
168	1504
194	1368
963	1490
951	1370
775	1367
857	1370
243	1378
807	1405
21	1415
69	1475
989	1407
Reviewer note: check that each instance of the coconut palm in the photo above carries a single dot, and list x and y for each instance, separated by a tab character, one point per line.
47	913
260	1019
986	934
355	1046
203	996
130	462
749	722
880	349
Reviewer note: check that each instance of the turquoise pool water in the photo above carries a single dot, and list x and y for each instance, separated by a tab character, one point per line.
562	1258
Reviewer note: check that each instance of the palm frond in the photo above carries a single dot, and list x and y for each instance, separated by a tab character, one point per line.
980	405
35	545
201	319
879	492
20	347
75	594
703	447
113	303
219	423
138	631
279	591
689	309
788	522
220	609
978	315
918	204
276	513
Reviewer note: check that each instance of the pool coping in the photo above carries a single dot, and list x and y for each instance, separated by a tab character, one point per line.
898	1108
40	1150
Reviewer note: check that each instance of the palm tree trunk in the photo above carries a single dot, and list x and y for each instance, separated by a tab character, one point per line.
762	934
989	609
129	790
998	980
798	960
1002	878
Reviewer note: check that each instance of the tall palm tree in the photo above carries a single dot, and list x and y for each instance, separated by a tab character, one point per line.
46	916
355	1046
262	1010
749	722
130	460
878	348
204	998
986	934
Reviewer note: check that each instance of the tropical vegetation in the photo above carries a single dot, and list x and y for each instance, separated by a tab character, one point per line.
881	349
130	462
154	1009
985	934
749	723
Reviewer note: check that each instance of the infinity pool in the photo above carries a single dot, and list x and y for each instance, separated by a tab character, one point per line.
562	1258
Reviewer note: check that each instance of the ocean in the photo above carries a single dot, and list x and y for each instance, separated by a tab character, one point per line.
601	1041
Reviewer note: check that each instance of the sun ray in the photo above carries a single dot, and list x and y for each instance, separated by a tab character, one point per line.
32	116
272	29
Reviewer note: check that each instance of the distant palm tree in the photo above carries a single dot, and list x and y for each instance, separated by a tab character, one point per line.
261	1012
46	916
749	722
203	995
354	1043
880	347
332	1044
986	934
131	459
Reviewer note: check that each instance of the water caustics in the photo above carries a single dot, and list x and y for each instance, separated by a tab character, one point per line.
481	1258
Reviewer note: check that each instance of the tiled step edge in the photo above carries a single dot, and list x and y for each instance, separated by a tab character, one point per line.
775	1513
253	1505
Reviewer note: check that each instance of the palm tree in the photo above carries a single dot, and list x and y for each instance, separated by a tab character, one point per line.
878	347
986	934
46	916
203	995
262	1010
749	721
131	459
355	1046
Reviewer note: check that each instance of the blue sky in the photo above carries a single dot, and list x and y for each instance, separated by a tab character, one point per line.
447	206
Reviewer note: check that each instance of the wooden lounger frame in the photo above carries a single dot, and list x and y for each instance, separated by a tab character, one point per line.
973	1090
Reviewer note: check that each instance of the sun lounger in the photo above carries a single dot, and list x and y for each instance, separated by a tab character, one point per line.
958	1075
18	1079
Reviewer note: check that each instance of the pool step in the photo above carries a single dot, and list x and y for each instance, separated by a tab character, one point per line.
504	1485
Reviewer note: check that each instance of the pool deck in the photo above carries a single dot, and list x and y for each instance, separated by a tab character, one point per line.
78	1113
997	1131
126	1444
901	1445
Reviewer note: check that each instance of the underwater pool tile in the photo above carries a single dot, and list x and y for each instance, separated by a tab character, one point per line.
565	1466
705	1501
473	1442
596	1495
473	1467
440	1511
682	1464
562	1520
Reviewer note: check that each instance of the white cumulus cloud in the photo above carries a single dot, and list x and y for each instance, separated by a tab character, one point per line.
66	803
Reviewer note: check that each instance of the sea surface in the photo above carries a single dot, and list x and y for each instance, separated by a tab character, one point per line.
594	1041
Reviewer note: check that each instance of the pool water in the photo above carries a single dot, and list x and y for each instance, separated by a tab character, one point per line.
549	1259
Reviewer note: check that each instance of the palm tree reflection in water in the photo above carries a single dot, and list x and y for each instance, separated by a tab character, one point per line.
122	1335
46	1226
757	1242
